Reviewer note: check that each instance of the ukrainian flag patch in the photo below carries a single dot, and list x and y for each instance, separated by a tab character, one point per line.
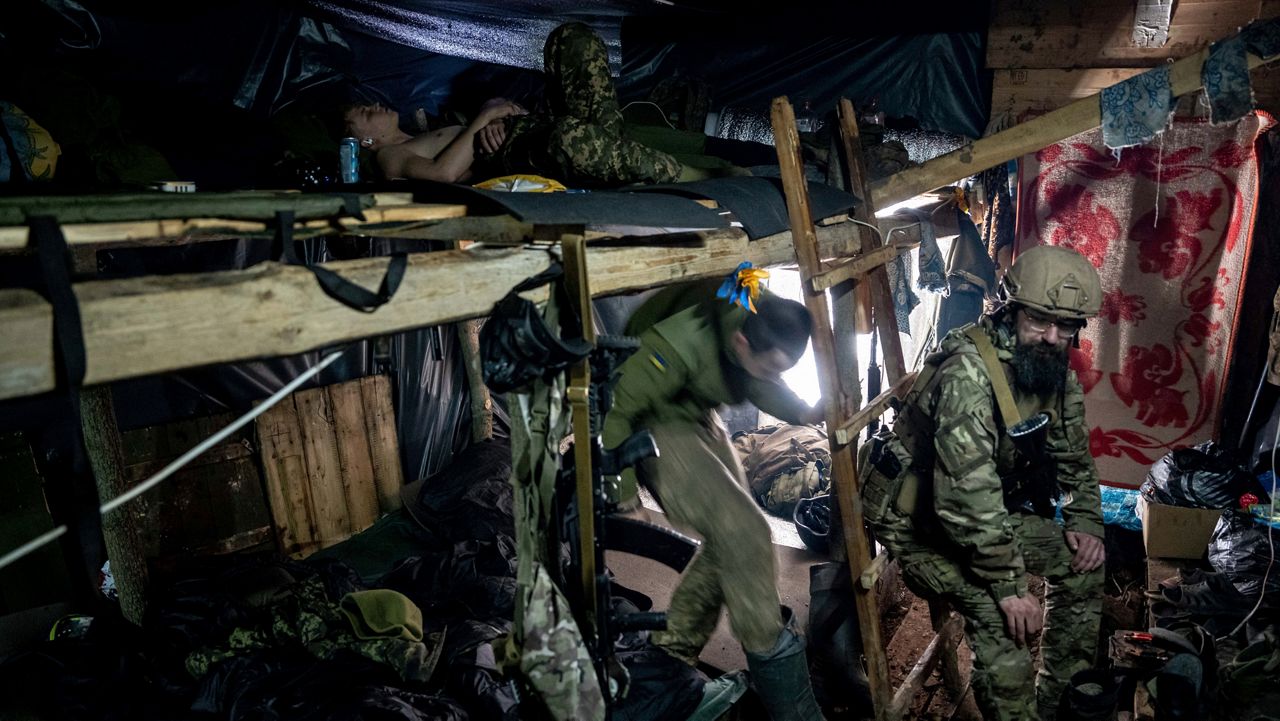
658	362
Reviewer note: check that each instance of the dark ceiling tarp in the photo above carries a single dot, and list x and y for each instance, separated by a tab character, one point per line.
936	78
921	61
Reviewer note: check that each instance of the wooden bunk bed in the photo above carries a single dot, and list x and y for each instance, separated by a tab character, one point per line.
144	326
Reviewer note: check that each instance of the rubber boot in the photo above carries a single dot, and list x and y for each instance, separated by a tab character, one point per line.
781	678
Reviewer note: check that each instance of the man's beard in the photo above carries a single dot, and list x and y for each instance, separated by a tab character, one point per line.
1039	368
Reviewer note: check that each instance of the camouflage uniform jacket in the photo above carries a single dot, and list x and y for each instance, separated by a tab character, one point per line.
950	417
685	367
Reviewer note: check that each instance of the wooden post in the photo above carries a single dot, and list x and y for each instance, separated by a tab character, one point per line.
844	465
948	639
481	401
878	279
119	529
574	247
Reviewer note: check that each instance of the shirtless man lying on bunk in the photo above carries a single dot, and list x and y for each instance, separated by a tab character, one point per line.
580	141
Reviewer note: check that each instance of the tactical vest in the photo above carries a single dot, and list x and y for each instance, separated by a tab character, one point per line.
898	465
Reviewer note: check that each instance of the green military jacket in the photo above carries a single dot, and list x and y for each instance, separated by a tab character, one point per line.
685	368
949	435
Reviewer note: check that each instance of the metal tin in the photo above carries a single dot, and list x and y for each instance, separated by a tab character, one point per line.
349	160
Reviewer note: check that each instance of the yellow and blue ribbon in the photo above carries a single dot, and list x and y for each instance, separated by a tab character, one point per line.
742	286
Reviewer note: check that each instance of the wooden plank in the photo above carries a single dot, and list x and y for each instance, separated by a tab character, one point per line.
142	326
881	295
843	463
855	167
1021	90
284	467
920	672
323	468
848	431
26	324
107	234
384	444
1099	33
1019	140
577	285
854	268
354	454
949	640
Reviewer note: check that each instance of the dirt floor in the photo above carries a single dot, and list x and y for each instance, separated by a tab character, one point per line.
906	624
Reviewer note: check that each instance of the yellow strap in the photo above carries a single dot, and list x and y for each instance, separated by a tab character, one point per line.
999	383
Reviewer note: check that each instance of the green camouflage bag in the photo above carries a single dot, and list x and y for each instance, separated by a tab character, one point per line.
554	657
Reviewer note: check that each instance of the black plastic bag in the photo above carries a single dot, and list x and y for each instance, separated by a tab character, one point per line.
1204	476
1239	549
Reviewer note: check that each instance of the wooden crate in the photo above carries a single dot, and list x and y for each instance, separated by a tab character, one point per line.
214	504
331	462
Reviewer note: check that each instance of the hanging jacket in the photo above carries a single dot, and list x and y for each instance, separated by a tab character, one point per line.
952	454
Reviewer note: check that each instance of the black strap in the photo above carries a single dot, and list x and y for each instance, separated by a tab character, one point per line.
351	205
334	285
52	258
62	460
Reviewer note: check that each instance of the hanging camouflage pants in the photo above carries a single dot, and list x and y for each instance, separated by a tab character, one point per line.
581	141
700	484
1003	684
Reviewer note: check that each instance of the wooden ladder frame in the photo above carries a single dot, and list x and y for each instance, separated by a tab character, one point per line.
845	418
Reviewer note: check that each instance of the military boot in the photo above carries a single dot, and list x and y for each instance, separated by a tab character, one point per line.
781	677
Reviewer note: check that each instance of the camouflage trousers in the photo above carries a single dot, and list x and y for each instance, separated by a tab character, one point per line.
701	487
1003	682
580	141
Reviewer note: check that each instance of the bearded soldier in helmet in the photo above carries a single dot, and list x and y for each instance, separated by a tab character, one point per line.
963	490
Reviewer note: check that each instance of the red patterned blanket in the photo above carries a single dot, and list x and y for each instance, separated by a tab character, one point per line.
1168	226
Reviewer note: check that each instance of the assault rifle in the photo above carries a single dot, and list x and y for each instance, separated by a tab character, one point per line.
1033	485
592	600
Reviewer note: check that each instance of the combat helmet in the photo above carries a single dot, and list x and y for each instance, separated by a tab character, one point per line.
1053	280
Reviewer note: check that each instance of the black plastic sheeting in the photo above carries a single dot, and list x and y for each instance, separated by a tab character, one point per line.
429	384
936	78
259	56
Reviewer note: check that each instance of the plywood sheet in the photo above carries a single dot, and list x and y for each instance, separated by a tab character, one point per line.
330	458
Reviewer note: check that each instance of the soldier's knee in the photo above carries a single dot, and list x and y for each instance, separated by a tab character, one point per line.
1083	585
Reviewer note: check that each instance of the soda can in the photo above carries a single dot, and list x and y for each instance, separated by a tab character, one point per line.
349	160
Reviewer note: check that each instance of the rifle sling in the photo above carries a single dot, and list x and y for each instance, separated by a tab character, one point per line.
999	382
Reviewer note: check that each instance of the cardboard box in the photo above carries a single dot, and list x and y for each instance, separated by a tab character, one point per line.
1176	532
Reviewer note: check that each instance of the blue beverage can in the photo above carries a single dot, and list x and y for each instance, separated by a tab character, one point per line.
349	160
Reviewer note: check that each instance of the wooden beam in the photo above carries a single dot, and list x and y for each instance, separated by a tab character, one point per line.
854	268
14	237
919	673
143	326
849	431
1028	137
